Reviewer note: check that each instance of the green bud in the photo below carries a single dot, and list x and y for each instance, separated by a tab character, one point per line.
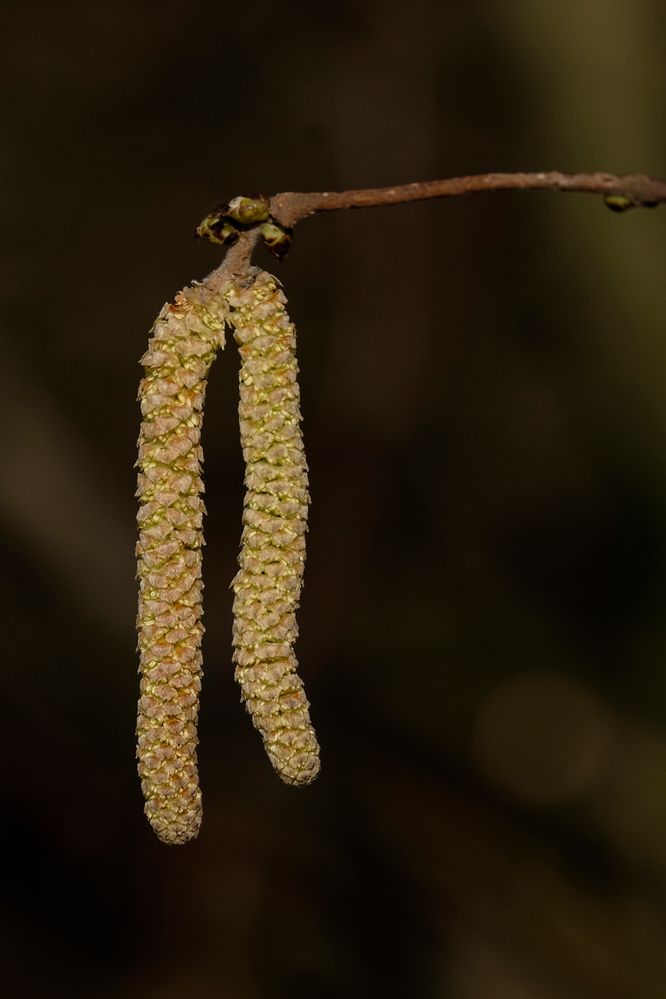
618	202
247	211
277	239
217	229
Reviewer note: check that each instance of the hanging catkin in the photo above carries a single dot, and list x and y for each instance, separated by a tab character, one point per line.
268	585
185	339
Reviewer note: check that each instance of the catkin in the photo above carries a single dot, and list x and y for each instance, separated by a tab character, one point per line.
268	584
186	336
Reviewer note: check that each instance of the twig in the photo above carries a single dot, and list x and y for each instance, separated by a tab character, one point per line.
245	219
628	191
237	260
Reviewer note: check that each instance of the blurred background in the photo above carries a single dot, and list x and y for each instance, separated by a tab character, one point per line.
483	627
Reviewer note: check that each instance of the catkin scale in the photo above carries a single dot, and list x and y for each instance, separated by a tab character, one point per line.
268	584
186	337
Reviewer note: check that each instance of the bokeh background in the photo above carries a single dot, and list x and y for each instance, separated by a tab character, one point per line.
483	628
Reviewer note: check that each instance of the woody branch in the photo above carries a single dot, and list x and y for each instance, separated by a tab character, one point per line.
621	192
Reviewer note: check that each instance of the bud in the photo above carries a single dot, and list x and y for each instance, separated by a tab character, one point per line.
618	202
268	585
216	228
277	239
247	211
186	336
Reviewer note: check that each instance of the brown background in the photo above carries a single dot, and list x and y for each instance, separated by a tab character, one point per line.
483	629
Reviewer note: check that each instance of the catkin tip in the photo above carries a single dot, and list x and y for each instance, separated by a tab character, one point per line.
173	828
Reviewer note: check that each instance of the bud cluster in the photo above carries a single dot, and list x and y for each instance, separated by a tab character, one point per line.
224	225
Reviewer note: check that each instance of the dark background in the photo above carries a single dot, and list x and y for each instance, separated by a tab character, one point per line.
483	627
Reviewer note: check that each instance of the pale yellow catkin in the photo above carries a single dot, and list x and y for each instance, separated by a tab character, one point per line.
268	584
186	337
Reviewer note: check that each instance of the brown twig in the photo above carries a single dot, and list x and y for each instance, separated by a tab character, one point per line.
621	192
